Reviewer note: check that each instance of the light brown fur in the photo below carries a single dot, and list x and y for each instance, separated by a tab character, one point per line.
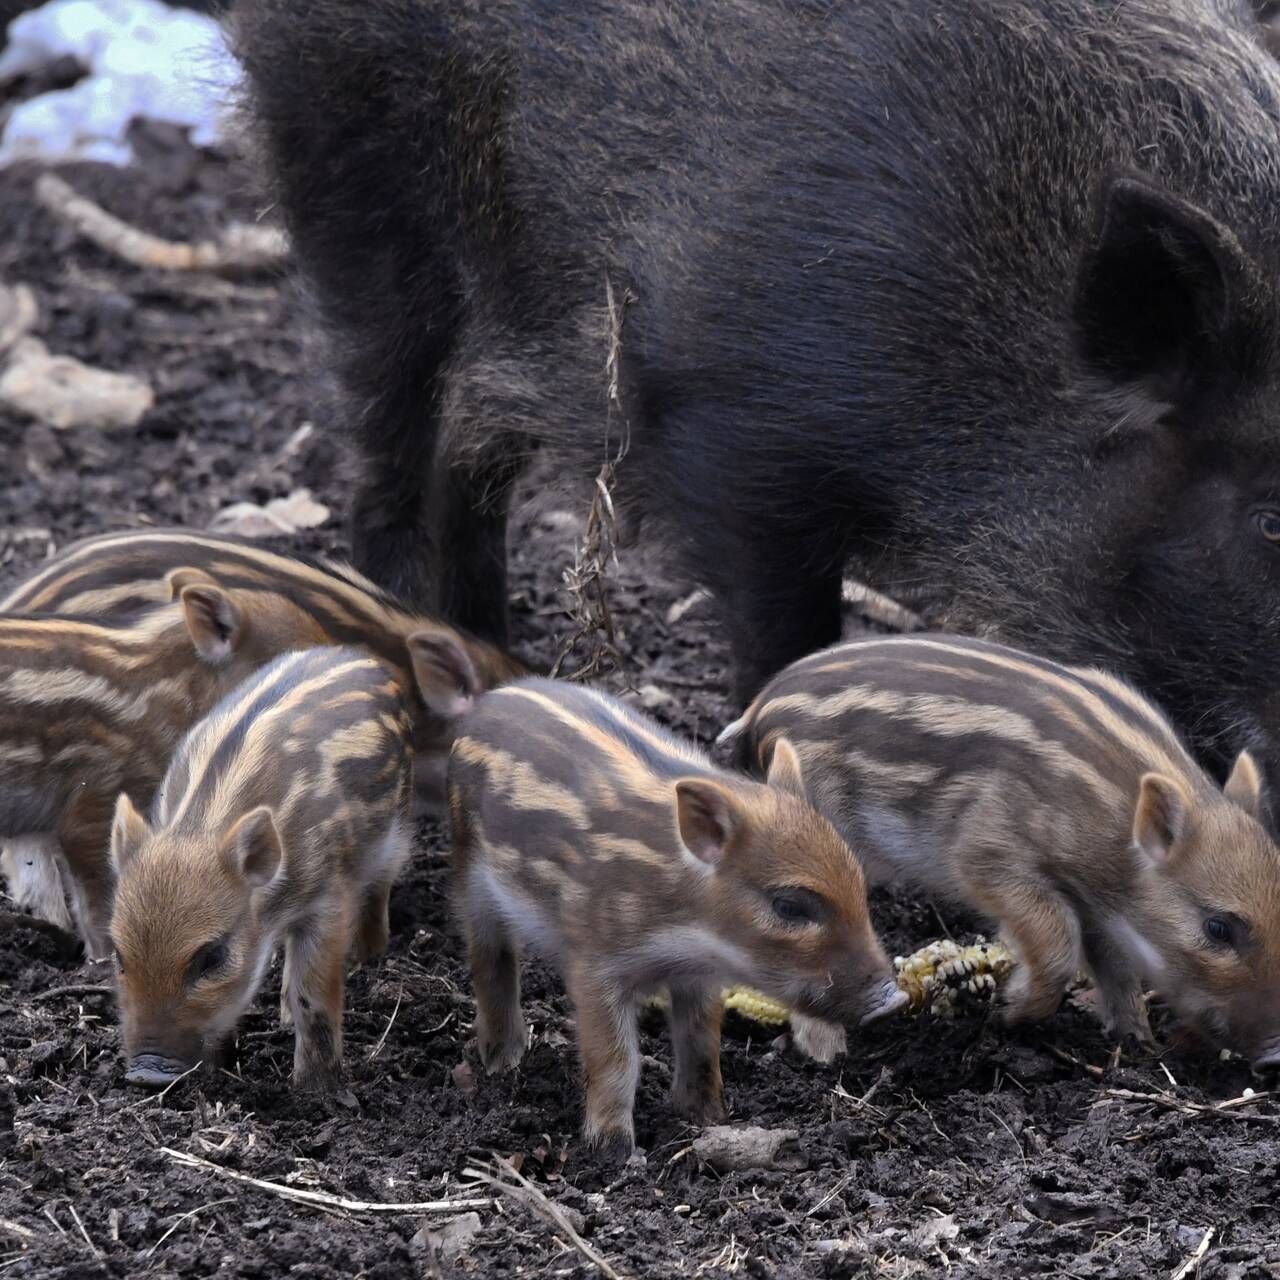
283	818
1056	801
584	831
89	709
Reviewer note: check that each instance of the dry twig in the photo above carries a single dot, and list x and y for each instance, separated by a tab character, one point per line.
238	250
1227	1108
321	1199
506	1178
75	989
586	582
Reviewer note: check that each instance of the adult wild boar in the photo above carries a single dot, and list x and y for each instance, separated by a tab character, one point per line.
982	296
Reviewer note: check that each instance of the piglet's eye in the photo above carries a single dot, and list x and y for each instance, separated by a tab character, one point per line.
208	960
1268	523
797	906
1220	930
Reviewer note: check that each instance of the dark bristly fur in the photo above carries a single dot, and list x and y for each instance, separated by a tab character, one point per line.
1056	801
983	295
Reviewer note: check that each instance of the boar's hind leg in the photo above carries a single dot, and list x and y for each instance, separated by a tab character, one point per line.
1044	935
696	1089
316	990
610	1048
470	539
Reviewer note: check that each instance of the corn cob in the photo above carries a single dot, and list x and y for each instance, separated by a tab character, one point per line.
935	977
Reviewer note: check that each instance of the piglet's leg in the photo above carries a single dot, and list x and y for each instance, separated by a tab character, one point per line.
609	1044
495	976
1119	986
374	926
1044	935
286	970
822	1041
697	1093
317	985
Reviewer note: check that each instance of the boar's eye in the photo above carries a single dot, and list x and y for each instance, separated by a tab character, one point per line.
210	958
1268	523
797	906
1224	931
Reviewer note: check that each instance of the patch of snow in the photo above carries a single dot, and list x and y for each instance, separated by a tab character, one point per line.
142	60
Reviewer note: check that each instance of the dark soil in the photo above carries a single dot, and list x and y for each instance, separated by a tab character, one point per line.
950	1148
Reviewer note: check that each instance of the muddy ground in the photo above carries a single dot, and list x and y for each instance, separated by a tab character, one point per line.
933	1148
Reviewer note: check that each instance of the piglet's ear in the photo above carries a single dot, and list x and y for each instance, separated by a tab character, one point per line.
252	849
444	672
1161	294
1160	819
176	579
785	771
1244	786
129	830
707	815
215	620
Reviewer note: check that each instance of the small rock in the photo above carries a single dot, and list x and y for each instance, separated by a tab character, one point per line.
651	696
280	516
929	1233
452	1240
464	1079
729	1149
62	392
688	603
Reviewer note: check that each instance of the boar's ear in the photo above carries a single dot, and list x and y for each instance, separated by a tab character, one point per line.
252	848
707	815
785	772
443	670
1160	819
214	619
1244	787
1161	291
128	832
176	579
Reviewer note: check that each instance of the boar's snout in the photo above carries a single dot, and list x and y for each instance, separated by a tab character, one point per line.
155	1070
886	1002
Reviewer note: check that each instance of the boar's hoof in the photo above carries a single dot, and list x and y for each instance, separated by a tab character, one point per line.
891	1002
501	1056
155	1071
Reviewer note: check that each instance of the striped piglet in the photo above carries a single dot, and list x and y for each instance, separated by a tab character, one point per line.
586	832
1056	801
284	817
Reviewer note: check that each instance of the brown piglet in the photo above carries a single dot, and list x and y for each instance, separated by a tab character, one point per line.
584	831
89	709
284	818
120	579
1056	801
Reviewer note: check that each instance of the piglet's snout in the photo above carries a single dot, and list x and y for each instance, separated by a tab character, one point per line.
155	1069
886	1001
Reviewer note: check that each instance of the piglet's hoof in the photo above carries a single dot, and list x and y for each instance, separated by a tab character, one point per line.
615	1147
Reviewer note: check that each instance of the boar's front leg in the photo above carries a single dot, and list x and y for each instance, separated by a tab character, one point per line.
609	1044
780	606
697	1092
317	956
